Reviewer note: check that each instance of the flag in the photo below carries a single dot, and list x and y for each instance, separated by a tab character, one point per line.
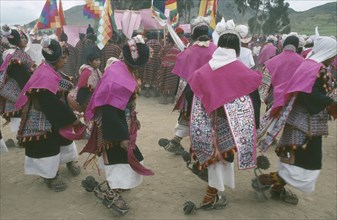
174	16
105	28
62	20
49	17
158	11
93	8
209	8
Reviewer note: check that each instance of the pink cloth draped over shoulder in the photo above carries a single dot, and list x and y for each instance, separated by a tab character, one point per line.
281	68
44	77
267	52
192	59
115	88
302	81
216	88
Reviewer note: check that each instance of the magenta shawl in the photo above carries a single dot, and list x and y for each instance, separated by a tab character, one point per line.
44	77
302	81
281	68
115	88
216	88
192	59
267	52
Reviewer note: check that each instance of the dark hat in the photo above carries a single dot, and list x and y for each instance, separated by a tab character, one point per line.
93	54
135	52
230	40
90	30
291	40
81	36
13	36
92	37
64	37
51	49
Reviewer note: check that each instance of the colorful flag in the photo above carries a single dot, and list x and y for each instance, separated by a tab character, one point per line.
209	8
49	17
158	11
174	16
93	8
105	28
62	20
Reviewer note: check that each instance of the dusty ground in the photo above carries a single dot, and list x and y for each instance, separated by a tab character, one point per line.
160	196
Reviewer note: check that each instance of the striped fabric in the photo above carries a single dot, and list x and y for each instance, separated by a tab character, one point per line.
70	68
151	68
110	50
167	81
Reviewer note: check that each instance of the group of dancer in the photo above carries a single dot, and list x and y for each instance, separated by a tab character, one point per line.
218	94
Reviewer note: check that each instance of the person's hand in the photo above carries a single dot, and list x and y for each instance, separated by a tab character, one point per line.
77	123
332	110
125	145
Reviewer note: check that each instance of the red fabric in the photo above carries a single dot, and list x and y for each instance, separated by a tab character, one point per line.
83	79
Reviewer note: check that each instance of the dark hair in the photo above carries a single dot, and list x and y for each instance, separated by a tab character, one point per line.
144	54
64	37
15	39
291	40
200	33
93	54
53	53
230	40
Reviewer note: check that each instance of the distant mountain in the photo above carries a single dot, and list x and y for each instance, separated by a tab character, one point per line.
324	16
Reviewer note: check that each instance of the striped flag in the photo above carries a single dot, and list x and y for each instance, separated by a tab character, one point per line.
174	16
49	17
105	28
158	11
209	8
62	20
93	8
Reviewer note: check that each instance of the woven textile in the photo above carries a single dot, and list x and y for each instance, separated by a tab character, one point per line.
264	89
179	98
292	136
202	134
311	125
240	115
275	126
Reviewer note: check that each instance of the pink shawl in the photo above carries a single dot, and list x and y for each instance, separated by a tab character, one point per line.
267	52
302	81
281	68
115	88
192	59
44	77
216	88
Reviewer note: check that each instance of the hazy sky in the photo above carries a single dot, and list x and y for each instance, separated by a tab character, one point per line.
24	11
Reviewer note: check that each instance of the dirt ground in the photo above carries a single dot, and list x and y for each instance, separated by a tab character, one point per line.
162	195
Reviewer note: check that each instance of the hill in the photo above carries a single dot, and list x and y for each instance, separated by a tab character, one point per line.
324	16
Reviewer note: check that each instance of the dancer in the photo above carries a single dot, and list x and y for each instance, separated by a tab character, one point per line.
112	110
44	114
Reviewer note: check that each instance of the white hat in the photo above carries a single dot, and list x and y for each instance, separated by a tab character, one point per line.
224	27
243	33
324	48
271	38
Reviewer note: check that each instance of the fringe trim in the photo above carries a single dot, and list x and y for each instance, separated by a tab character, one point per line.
212	160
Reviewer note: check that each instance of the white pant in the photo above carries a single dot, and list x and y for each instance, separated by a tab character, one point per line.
47	167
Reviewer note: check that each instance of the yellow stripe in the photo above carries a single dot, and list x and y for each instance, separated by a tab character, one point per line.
203	7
